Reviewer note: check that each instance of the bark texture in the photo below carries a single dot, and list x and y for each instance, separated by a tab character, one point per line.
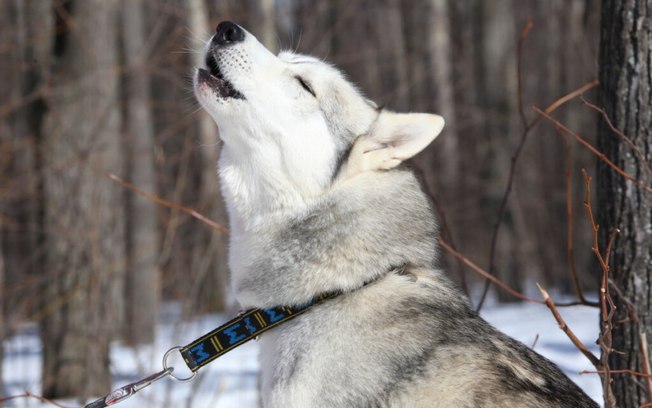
625	81
500	94
84	212
143	277
209	260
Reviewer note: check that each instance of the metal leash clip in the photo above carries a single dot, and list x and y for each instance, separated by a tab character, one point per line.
128	390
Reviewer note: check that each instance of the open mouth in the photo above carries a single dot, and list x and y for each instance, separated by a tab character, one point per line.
214	77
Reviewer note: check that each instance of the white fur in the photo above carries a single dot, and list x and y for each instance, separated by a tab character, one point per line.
303	223
279	153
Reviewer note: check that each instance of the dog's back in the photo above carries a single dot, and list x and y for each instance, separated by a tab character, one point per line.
405	338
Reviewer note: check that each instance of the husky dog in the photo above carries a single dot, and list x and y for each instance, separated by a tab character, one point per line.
318	204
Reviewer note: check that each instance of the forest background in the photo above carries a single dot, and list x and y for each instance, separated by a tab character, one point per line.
97	95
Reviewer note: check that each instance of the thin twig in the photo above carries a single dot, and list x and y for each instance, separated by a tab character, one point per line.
569	221
595	227
28	394
503	205
566	98
645	364
595	151
497	281
510	179
623	371
607	306
166	203
632	145
487	275
564	327
534	343
446	232
519	60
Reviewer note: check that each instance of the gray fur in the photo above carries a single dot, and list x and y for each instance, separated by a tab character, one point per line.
341	235
376	344
400	334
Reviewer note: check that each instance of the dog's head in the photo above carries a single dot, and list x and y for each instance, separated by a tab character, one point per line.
288	122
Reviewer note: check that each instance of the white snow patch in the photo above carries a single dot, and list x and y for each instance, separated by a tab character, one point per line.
232	381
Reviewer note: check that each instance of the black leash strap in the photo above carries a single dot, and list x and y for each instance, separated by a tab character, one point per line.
210	346
238	331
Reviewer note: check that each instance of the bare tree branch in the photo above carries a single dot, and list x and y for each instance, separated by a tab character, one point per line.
486	274
632	372
497	281
607	306
564	327
569	221
629	142
510	179
28	394
595	151
166	203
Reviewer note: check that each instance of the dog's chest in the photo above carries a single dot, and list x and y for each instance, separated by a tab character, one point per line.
310	360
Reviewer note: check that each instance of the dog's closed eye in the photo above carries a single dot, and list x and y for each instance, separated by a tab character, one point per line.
306	85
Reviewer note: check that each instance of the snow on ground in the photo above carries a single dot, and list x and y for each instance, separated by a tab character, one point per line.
232	380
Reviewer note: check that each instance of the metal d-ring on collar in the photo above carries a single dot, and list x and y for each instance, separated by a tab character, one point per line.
174	377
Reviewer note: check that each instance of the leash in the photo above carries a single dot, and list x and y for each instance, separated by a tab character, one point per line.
244	327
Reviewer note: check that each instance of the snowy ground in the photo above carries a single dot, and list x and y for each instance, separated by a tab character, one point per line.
232	380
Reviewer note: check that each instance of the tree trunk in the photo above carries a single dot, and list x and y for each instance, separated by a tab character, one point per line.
318	40
440	62
392	56
468	228
210	257
84	213
625	81
498	93
142	280
7	70
3	329
26	46
24	61
263	17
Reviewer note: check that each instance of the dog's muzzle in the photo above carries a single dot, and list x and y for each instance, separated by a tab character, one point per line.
226	34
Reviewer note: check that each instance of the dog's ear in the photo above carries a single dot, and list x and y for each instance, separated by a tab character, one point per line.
394	138
406	134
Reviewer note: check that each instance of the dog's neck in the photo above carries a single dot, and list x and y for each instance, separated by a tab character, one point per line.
255	193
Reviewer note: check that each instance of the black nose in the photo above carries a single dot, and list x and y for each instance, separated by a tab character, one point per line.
228	33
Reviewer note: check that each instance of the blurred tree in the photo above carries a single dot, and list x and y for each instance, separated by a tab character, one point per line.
438	52
392	60
263	17
319	16
498	93
210	264
24	63
626	94
142	278
6	170
455	57
2	309
25	47
84	209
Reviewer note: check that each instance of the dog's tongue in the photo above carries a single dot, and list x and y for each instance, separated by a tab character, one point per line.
213	81
222	86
